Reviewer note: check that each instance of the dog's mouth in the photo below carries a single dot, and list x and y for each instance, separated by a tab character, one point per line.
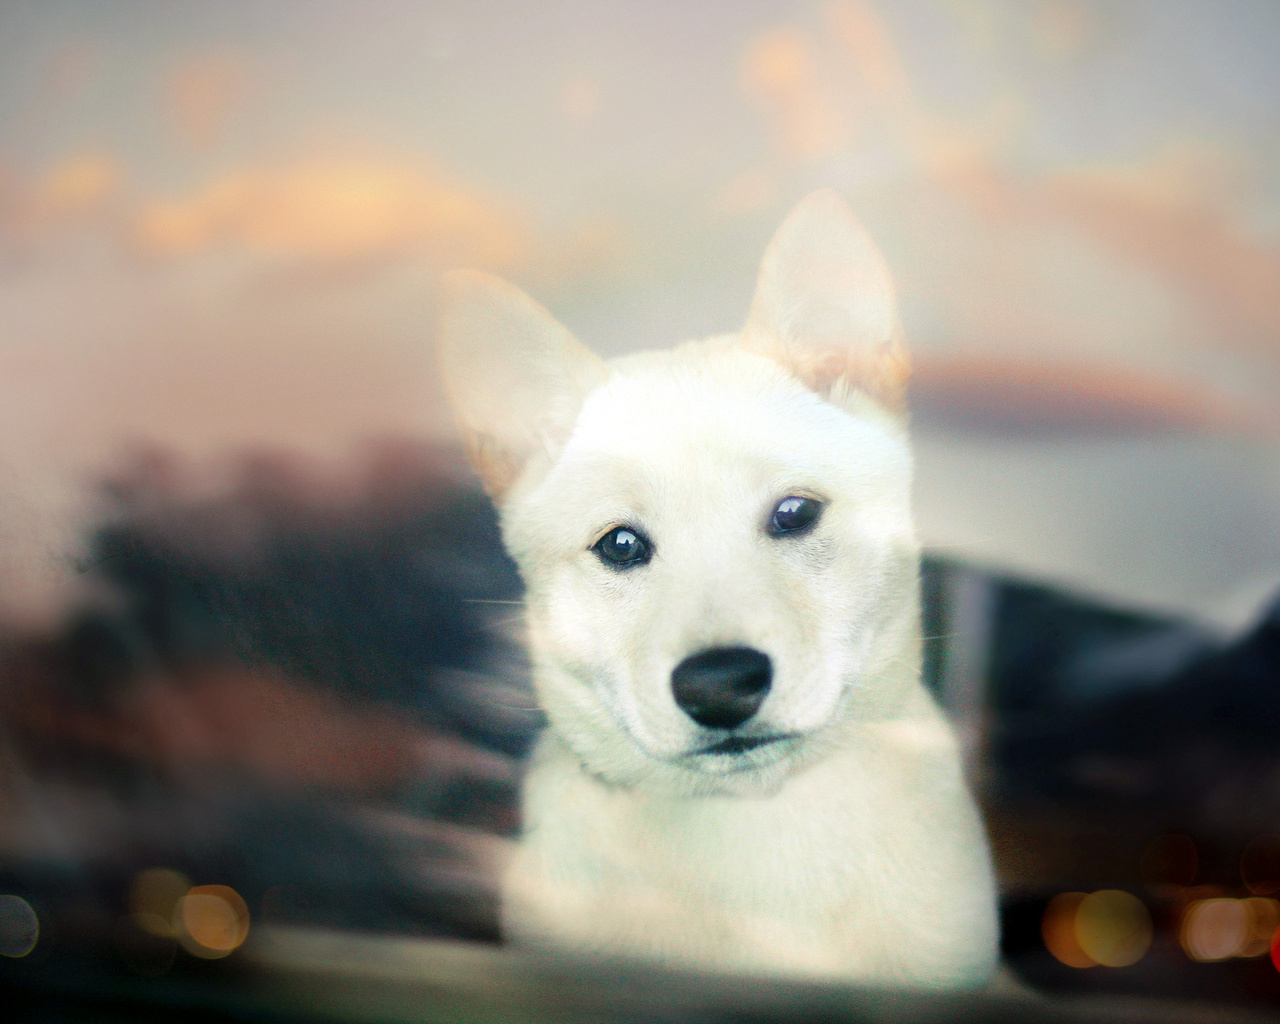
741	744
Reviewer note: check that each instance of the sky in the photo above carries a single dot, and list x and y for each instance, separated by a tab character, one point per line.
222	225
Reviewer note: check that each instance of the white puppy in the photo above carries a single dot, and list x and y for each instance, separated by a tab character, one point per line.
742	769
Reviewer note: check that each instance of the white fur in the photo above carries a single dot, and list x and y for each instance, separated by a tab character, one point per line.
850	850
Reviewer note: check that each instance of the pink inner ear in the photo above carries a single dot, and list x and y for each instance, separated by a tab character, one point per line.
495	466
826	364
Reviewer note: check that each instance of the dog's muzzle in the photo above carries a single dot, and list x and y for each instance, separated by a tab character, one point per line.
722	687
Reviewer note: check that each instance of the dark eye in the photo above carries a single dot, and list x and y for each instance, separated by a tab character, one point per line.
623	547
794	514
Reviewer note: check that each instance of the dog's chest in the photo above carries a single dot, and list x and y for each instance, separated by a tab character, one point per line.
821	846
871	865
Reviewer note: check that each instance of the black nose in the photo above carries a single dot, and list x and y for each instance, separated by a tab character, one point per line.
722	687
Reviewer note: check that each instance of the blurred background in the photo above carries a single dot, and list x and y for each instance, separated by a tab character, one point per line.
259	649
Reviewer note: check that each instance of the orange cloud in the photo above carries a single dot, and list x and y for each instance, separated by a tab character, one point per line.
336	210
202	93
1171	216
865	35
1175	218
76	186
780	75
854	89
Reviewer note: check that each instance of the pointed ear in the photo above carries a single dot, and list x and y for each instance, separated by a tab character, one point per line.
825	307
516	378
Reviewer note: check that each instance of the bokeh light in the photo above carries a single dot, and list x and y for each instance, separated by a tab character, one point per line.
153	895
19	927
1113	927
1263	919
1109	928
1214	929
1220	928
1058	928
166	910
212	921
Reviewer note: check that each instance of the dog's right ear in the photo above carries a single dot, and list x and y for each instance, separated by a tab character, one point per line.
825	308
515	376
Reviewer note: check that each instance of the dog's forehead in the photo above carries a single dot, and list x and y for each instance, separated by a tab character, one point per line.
710	401
702	436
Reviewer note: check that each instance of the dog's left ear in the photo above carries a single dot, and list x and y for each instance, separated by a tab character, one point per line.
825	308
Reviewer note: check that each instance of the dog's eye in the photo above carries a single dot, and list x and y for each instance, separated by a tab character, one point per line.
794	514
623	547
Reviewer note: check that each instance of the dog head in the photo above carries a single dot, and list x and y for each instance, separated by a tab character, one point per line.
716	540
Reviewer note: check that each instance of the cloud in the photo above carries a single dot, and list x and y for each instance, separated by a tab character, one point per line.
876	57
1008	396
1176	218
69	190
202	93
780	76
43	216
1174	215
335	211
845	99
